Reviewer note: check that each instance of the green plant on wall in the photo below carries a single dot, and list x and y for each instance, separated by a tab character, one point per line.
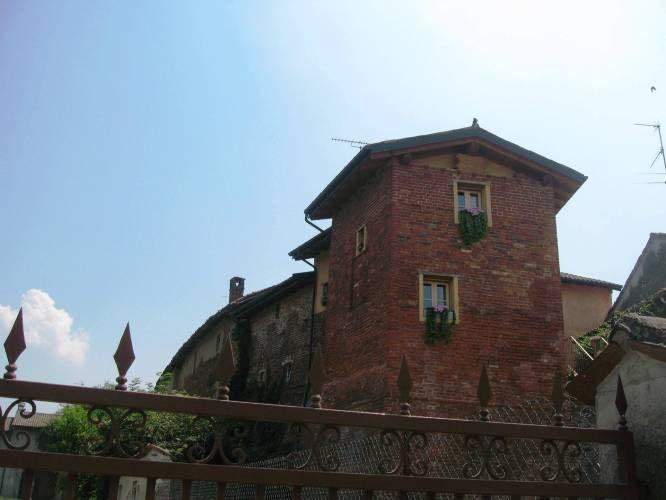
437	325
472	224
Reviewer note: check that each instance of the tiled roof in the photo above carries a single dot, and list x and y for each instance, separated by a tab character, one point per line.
231	310
651	329
313	246
450	136
582	280
38	420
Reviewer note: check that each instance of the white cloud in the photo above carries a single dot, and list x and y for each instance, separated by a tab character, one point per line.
47	327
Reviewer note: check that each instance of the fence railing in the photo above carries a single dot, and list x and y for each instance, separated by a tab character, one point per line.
578	358
489	449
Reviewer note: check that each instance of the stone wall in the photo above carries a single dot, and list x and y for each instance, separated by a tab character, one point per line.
196	374
648	275
281	334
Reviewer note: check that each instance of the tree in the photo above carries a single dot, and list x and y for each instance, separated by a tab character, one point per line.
80	430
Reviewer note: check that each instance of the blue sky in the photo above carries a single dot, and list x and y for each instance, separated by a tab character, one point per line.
149	151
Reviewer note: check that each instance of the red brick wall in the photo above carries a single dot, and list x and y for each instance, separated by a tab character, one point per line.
356	323
509	290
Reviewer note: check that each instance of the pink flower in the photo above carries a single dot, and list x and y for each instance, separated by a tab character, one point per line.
473	211
440	308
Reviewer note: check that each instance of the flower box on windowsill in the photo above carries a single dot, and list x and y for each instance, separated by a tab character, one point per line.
450	315
472	226
439	324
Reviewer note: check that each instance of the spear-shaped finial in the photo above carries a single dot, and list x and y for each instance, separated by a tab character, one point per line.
317	378
14	345
405	387
484	393
225	369
124	357
621	404
558	398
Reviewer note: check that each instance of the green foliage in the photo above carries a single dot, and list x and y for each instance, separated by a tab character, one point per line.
73	433
268	438
164	383
645	308
472	226
437	327
242	337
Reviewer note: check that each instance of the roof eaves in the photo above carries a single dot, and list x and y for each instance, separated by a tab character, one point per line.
441	137
480	133
312	247
226	311
358	158
582	280
295	281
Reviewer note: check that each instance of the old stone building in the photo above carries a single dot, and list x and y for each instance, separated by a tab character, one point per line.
648	275
397	261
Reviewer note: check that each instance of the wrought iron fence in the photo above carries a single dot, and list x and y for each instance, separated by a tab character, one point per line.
474	457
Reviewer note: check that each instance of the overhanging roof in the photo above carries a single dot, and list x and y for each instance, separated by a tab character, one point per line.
582	280
573	179
313	246
238	309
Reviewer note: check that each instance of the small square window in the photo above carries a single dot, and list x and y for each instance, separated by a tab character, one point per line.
470	195
361	239
436	294
440	293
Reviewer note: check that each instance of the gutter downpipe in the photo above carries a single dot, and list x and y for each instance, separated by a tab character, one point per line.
308	263
307	220
311	347
312	316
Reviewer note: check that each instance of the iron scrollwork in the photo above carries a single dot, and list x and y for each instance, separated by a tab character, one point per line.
227	442
17	440
120	431
483	456
319	452
564	458
407	445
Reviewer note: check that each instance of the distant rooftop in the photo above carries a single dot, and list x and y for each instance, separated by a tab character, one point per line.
582	280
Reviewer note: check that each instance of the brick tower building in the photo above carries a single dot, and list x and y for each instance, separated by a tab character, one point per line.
394	249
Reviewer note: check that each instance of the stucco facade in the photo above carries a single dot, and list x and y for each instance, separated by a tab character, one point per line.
644	382
584	307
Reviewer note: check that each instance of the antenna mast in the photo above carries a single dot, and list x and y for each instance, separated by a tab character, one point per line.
351	142
657	127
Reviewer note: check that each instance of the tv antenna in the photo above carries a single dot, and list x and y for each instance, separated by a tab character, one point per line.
351	142
657	127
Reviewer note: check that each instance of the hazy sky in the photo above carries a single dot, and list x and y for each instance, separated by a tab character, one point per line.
151	150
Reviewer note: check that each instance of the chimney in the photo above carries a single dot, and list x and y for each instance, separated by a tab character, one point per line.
236	288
